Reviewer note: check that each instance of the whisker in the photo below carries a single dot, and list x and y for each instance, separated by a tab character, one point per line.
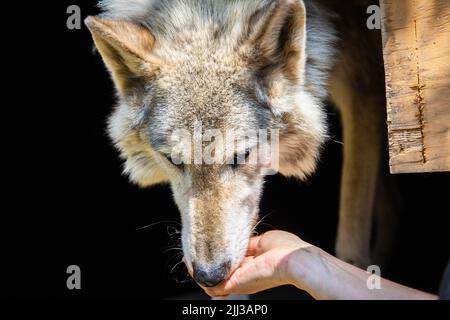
261	220
176	255
168	262
177	264
172	249
338	142
186	279
158	223
172	231
268	224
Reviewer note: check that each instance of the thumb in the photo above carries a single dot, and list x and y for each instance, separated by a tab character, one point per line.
252	249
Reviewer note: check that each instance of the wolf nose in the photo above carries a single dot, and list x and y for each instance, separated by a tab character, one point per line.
211	277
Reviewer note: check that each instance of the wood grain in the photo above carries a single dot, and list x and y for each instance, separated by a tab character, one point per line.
416	44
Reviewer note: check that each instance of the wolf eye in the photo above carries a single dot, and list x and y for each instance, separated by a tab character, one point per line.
177	164
238	158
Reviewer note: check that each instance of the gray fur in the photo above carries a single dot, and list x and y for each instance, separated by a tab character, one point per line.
206	76
169	19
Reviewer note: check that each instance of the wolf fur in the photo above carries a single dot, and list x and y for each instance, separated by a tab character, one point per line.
242	64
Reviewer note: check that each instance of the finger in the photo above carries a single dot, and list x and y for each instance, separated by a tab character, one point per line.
252	246
214	293
246	260
249	278
219	290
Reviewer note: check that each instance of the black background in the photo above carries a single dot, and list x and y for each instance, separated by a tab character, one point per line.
66	201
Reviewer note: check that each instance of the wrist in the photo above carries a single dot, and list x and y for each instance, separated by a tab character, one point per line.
301	266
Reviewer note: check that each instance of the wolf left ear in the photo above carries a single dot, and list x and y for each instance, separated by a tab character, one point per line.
277	39
126	50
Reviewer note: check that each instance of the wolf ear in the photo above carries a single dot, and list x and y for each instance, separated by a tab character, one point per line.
277	40
126	50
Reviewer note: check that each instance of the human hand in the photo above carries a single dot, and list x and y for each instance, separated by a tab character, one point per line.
278	258
266	265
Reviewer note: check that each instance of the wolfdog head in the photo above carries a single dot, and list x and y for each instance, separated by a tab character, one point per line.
228	66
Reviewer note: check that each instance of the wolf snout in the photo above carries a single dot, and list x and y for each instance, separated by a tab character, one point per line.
210	276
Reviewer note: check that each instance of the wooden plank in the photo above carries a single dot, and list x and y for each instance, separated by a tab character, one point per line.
416	44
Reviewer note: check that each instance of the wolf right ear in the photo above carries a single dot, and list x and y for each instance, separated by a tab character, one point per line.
277	40
126	50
